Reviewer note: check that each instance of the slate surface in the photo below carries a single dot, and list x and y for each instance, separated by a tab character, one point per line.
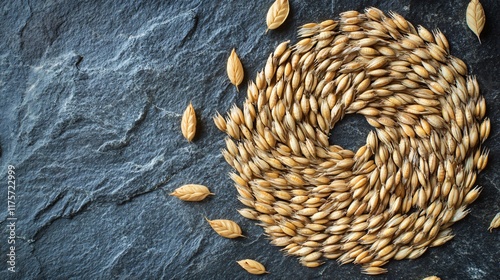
91	99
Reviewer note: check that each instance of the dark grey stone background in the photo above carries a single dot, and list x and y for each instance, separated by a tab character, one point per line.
92	94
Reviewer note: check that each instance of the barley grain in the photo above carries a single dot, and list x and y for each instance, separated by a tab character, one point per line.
225	228
252	266
191	192
188	123
234	69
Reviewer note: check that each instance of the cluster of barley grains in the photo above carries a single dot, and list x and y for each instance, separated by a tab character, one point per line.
398	194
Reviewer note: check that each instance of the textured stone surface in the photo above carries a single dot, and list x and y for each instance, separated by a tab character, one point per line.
91	100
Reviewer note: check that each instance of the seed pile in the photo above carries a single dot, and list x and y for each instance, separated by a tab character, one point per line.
396	195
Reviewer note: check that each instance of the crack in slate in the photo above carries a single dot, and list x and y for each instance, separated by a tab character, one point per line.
139	194
125	140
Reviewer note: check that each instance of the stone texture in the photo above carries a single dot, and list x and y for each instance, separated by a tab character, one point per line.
92	95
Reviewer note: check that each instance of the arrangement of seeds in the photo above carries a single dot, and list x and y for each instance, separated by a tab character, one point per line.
395	196
475	17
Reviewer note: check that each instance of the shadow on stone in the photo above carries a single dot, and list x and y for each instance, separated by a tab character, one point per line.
350	133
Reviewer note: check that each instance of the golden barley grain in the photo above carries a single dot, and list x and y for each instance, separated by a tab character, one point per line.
234	69
495	222
277	14
252	266
191	192
188	123
248	213
319	200
432	278
225	228
475	17
372	270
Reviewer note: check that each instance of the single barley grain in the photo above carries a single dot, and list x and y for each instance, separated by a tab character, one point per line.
191	192
475	17
234	69
432	278
188	123
252	266
495	222
277	14
225	228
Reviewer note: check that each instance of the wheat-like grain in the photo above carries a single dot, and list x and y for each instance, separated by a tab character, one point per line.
495	223
475	17
234	69
225	228
191	192
396	195
188	123
252	266
277	14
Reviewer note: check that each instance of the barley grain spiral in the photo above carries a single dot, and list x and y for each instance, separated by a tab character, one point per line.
395	196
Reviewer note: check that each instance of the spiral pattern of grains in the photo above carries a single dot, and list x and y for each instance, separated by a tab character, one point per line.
399	193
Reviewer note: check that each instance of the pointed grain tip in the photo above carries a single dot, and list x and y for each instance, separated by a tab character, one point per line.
234	69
